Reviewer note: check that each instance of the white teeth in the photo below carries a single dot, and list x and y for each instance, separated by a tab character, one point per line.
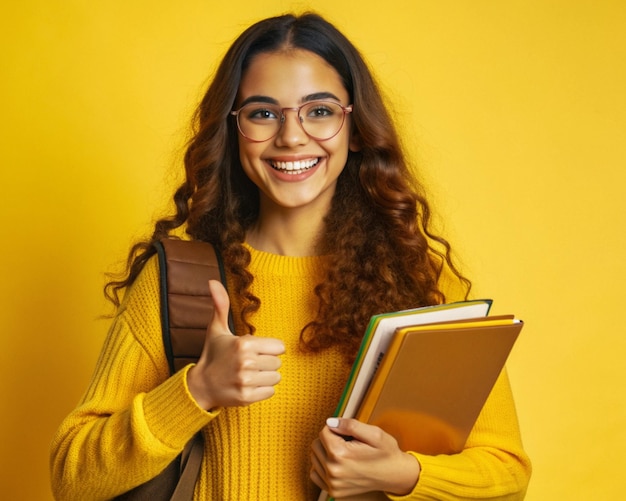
295	167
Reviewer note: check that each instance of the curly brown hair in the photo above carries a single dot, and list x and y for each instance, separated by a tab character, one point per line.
383	255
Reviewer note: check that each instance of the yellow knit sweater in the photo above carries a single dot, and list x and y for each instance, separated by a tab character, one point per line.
134	419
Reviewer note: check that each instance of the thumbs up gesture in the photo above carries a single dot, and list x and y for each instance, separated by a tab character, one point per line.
233	370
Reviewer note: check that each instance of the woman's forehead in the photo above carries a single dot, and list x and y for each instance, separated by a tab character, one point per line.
288	77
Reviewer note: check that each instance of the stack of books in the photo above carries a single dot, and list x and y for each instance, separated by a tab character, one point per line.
423	375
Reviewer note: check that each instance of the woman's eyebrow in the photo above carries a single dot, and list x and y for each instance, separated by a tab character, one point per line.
258	99
320	95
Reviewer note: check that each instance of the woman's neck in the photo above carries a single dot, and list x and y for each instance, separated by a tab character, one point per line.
287	233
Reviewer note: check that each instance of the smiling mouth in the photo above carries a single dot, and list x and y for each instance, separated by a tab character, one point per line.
297	167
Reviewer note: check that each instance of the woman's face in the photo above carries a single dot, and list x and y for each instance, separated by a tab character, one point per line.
293	170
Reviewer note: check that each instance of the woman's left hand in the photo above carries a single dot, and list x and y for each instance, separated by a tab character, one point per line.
351	458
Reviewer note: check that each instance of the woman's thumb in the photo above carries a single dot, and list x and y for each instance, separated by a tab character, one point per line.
221	307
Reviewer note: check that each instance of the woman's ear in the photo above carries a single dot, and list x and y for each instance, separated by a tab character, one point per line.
355	142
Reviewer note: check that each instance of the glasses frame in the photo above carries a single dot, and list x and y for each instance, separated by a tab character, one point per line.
297	109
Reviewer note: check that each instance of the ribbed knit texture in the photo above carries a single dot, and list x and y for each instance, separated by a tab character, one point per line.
264	449
134	419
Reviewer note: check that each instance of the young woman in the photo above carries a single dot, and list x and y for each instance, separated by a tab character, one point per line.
295	173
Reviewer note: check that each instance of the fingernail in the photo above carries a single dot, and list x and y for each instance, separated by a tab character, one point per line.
332	422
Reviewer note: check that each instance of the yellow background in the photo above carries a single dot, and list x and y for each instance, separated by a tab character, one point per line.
515	110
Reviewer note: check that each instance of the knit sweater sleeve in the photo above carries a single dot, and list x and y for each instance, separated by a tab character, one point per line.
493	464
134	419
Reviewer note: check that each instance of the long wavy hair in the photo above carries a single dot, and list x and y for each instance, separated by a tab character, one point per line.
383	254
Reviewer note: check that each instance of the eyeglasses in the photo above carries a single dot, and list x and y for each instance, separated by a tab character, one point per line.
320	120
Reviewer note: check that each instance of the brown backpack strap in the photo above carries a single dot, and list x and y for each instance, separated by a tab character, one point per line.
190	463
186	306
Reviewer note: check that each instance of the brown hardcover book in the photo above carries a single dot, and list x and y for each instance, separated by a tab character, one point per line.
434	380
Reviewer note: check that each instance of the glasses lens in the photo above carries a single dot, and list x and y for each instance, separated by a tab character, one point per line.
258	121
321	119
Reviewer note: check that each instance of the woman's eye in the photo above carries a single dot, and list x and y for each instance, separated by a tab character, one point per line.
320	112
262	114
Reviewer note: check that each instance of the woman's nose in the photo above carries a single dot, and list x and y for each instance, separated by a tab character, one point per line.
291	132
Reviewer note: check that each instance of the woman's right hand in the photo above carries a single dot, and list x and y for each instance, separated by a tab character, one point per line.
233	370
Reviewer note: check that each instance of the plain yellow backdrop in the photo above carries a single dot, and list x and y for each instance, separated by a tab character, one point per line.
514	111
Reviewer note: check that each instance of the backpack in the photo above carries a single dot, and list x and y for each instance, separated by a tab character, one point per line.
185	267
